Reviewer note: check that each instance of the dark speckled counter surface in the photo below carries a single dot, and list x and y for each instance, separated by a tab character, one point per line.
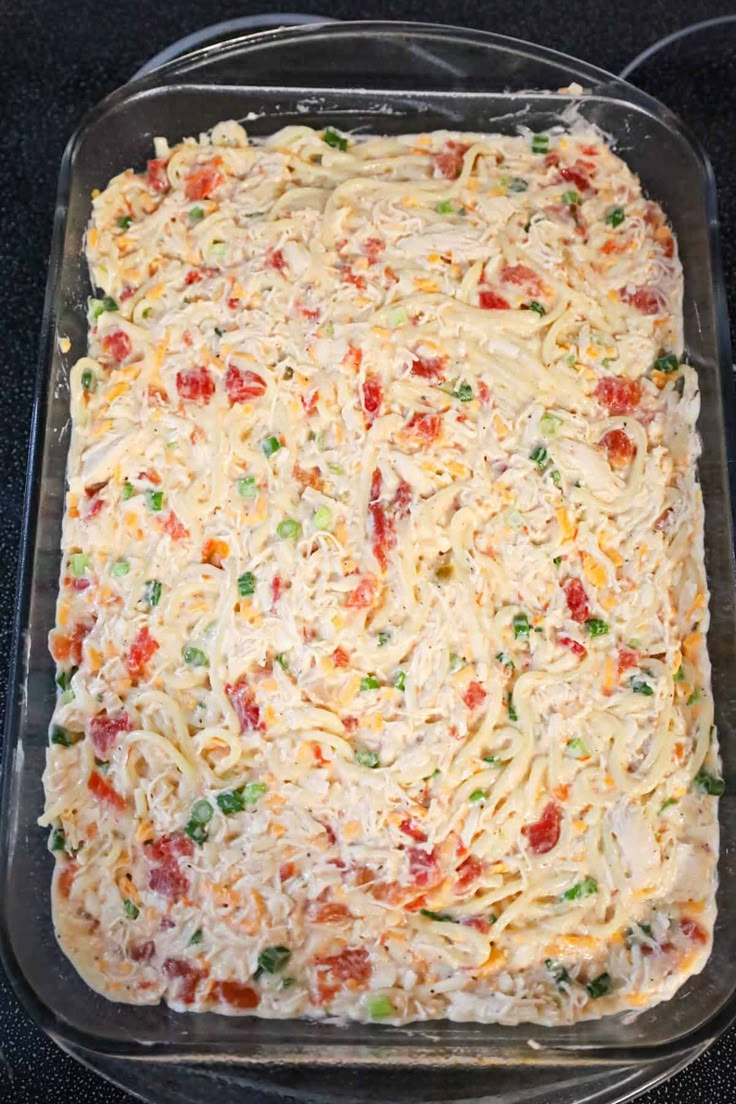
57	59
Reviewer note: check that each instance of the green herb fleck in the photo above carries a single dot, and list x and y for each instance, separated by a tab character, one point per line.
464	392
130	909
477	795
270	446
505	660
599	986
559	974
282	661
708	783
63	737
196	938
124	222
445	207
536	306
57	840
694	697
383	638
201	812
679	675
667	804
570	199
272	960
88	381
668	362
615	216
557	560
196	214
440	917
639	686
582	889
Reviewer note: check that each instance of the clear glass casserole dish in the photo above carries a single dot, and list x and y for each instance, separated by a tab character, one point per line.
384	78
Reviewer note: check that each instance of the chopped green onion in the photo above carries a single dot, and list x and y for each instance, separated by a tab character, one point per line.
194	657
380	1008
582	889
282	661
78	563
521	626
231	801
88	381
383	638
152	592
559	974
456	662
539	455
540	143
647	929
322	518
270	446
246	584
555	477
599	986
197	832
119	568
400	680
102	765
154	499
667	804
288	529
440	917
252	791
57	841
201	812
557	560
639	686
247	487
369	682
570	199
397	317
477	795
464	392
708	783
197	937
196	214
576	749
218	249
124	222
130	909
615	216
332	138
492	760
287	982
513	715
126	491
517	184
666	363
445	207
596	627
336	469
506	660
218	331
694	697
535	305
679	675
366	758
272	960
63	737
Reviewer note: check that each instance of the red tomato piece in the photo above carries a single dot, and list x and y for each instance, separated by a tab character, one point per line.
374	247
77	584
619	447
574	646
186	976
647	300
103	791
242	384
340	658
169	848
478	922
474	696
401	501
491	300
117	345
372	398
195	384
172	526
410	828
424	867
619	395
469	871
484	392
156	176
627	658
104	730
142	952
327	912
577	600
235	993
426	426
352	964
203	182
692	930
277	589
430	368
141	650
575	175
243	700
95	507
521	275
383	537
544	833
363	595
449	160
275	259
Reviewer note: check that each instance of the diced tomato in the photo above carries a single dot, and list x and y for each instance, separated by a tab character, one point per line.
523	276
402	499
383	537
372	397
171	847
363	595
68	646
195	275
352	964
474	696
627	658
76	584
354	278
354	357
169	881
141	650
277	588
165	877
478	922
350	723
103	791
142	952
287	870
574	646
692	930
327	912
243	700
104	730
410	828
424	867
426	426
195	384
126	293
662	523
117	345
340	658
235	993
172	526
484	392
491	300
551	159
647	300
151	475
577	600
373	247
544	833
308	477
575	175
203	182
449	160
430	368
242	384
468	872
186	976
619	446
156	176
66	878
94	508
619	395
275	259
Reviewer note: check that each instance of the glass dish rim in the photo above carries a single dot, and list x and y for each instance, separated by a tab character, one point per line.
162	78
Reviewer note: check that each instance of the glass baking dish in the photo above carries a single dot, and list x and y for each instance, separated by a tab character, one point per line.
385	78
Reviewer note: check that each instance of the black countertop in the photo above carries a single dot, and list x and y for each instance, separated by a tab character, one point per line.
59	58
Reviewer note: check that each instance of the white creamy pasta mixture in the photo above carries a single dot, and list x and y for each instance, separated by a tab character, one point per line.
383	685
